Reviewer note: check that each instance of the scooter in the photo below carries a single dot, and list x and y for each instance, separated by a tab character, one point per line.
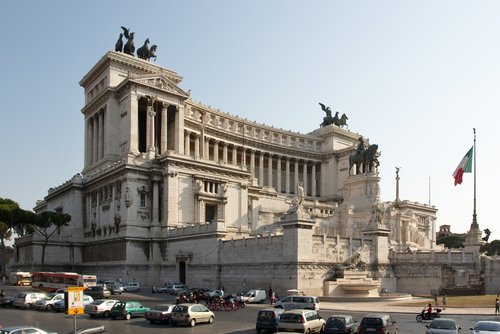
424	315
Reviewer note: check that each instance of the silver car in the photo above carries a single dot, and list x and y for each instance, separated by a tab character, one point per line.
191	314
486	327
24	329
100	307
48	302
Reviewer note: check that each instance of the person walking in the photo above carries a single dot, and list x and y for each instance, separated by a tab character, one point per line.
436	299
444	301
270	294
497	306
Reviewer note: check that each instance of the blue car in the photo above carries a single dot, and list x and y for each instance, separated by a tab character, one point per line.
268	319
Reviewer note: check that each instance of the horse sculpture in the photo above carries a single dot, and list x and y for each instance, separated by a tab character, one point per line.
129	47
328	119
145	52
367	158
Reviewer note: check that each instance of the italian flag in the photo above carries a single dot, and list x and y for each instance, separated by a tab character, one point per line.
465	166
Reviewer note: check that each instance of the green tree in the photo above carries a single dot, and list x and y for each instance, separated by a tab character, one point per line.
493	248
18	220
452	241
47	224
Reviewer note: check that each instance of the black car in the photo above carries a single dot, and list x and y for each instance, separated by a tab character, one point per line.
268	319
7	301
378	323
340	324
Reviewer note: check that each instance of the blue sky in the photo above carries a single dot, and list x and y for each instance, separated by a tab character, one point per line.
413	76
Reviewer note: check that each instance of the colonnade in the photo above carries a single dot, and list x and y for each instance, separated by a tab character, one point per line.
95	133
271	169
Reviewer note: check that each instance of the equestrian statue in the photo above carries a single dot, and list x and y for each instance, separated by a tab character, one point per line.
364	157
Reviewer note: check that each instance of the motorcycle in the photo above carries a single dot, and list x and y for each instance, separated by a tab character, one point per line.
424	315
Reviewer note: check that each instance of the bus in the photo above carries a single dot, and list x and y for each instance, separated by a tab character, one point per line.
53	281
20	278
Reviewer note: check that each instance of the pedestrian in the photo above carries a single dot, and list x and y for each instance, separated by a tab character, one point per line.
2	294
270	294
436	299
497	306
444	301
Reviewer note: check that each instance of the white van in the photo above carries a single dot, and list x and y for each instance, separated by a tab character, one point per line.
28	299
298	302
254	296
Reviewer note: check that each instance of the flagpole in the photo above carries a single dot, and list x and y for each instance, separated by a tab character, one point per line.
474	215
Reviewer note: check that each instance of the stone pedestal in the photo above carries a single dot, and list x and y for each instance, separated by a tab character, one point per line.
354	284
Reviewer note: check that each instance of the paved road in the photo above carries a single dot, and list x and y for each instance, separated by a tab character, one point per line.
239	322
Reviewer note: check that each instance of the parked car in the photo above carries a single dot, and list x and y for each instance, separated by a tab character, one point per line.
27	299
60	306
100	307
47	303
159	313
340	324
191	314
382	323
303	321
128	309
298	302
443	326
8	301
216	293
486	327
98	292
132	287
254	296
177	288
23	329
116	289
268	319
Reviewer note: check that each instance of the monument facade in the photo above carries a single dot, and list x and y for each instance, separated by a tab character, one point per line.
174	190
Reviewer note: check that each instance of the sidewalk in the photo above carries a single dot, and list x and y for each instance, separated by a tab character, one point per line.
393	307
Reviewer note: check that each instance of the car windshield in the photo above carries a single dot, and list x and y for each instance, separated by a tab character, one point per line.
291	317
487	326
266	315
371	322
442	324
181	308
161	308
340	322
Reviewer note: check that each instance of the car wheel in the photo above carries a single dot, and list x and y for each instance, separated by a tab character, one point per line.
28	306
127	316
211	320
192	323
322	329
258	330
49	307
99	296
152	322
105	314
114	318
173	323
307	331
92	315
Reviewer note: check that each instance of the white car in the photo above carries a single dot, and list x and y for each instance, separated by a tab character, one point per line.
100	307
48	302
24	329
132	287
486	327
